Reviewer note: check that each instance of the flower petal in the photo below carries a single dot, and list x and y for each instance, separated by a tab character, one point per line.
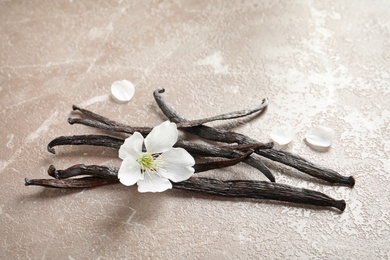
178	165
152	182
122	90
178	156
319	136
161	138
282	135
130	171
132	146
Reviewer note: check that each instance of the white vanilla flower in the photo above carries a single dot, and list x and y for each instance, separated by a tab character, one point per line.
161	162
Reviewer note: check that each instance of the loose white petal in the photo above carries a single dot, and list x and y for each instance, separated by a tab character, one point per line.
132	146
122	90
130	171
161	138
282	135
319	136
152	182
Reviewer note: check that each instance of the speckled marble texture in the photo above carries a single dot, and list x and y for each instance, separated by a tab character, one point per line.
319	63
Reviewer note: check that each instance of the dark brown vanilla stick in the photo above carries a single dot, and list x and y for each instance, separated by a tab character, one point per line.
108	141
101	122
175	117
260	190
94	120
96	124
94	116
244	189
294	161
96	140
85	182
245	147
81	169
231	115
193	148
207	166
220	152
307	167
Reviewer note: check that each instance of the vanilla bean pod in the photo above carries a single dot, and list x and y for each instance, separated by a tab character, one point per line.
303	165
207	166
96	140
101	122
82	169
99	125
251	146
94	116
85	182
208	150
286	158
244	189
260	190
230	115
108	141
193	148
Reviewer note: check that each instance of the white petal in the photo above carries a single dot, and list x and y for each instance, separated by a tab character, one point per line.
282	135
161	138
320	136
152	182
130	171
132	146
178	156
122	90
176	173
178	165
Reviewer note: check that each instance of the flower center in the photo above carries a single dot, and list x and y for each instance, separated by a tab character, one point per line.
147	162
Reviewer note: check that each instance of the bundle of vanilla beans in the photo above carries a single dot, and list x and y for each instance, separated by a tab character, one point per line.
227	147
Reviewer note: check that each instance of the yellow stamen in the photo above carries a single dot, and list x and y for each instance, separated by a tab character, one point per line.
147	162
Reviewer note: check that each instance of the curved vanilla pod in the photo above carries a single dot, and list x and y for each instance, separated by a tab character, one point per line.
283	157
81	183
307	167
260	190
96	140
95	120
103	175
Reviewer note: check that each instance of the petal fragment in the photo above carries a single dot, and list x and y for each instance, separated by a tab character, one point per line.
152	182
129	172
122	90
161	138
282	135
320	136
